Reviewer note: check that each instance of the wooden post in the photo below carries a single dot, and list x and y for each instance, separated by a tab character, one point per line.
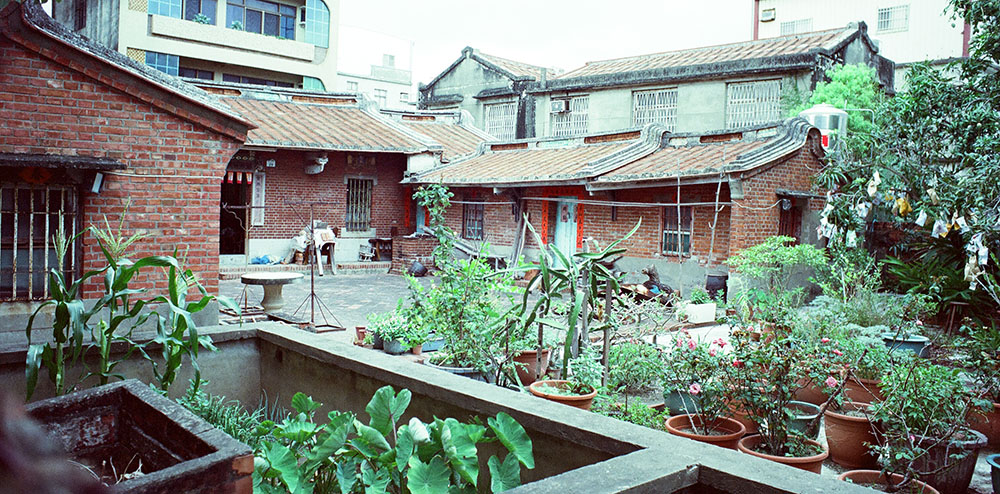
608	298
538	352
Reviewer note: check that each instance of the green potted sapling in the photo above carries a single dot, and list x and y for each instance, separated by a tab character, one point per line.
701	308
580	388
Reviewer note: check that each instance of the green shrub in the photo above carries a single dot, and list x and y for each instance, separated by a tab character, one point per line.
634	367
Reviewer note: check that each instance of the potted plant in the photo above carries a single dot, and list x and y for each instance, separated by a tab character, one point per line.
763	378
924	434
393	330
703	415
983	364
886	482
581	387
701	308
994	462
906	337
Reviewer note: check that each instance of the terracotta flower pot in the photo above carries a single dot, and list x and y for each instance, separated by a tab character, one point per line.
737	413
988	424
846	435
731	431
417	349
578	401
879	478
810	392
527	372
956	478
863	390
808	463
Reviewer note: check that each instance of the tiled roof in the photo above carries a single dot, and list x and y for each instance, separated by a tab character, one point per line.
682	160
333	127
524	165
762	48
456	139
517	68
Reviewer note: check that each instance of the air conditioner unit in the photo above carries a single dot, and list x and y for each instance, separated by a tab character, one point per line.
559	106
767	15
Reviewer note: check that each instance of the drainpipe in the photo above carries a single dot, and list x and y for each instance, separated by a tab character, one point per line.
756	17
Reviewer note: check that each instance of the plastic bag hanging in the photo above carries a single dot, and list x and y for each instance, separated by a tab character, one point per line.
921	219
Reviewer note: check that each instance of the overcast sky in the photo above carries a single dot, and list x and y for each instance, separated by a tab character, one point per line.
552	33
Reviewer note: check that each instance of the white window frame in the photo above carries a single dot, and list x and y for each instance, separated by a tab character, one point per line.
352	86
894	19
655	106
677	231
752	102
797	26
404	97
573	122
500	120
381	97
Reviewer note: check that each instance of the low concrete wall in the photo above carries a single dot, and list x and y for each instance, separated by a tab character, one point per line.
575	451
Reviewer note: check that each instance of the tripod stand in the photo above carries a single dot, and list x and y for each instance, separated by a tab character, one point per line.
313	254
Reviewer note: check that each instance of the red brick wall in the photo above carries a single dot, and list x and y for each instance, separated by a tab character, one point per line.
48	108
752	226
288	182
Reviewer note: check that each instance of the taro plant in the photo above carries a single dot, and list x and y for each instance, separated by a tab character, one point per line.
345	455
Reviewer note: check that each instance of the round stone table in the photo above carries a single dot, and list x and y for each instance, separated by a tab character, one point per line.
272	283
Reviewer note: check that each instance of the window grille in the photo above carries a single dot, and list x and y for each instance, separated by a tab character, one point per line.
795	27
677	237
752	103
382	97
472	220
893	19
574	121
163	62
359	204
500	120
29	218
656	106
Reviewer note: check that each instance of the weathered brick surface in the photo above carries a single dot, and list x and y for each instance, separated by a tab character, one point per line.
175	166
287	182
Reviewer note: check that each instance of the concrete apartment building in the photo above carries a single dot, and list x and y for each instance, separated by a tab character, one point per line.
907	31
378	65
703	89
284	43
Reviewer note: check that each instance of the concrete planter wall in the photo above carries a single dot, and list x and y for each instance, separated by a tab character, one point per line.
127	422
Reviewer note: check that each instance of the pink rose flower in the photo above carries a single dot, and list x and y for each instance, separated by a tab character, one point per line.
837	352
737	363
679	343
831	382
711	352
694	389
919	323
721	342
691	344
825	340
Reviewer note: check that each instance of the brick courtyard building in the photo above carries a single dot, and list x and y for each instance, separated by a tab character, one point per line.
85	131
700	197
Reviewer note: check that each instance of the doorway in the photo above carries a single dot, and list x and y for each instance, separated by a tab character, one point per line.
565	235
234	217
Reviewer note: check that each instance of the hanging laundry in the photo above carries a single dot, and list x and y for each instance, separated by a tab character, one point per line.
933	195
852	238
921	219
940	228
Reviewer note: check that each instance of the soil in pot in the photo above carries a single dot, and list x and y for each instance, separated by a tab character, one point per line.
558	391
877	480
721	432
863	390
955	479
813	463
527	372
988	424
847	432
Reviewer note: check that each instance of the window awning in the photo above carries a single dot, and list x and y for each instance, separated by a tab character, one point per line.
25	160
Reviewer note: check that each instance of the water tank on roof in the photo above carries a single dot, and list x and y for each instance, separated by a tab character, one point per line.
830	120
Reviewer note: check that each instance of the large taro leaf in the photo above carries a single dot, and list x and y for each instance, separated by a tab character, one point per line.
347	474
284	462
513	437
304	404
427	478
404	446
460	449
506	475
374	481
386	407
370	441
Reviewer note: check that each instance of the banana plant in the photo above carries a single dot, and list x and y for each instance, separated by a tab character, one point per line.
345	455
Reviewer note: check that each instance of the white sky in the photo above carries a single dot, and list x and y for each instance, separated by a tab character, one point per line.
552	33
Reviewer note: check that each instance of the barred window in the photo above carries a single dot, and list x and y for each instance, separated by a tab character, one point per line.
894	19
572	122
656	106
472	220
29	218
752	103
795	27
359	204
677	234
500	120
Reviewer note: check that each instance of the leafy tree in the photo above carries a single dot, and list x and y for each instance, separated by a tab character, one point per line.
850	86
